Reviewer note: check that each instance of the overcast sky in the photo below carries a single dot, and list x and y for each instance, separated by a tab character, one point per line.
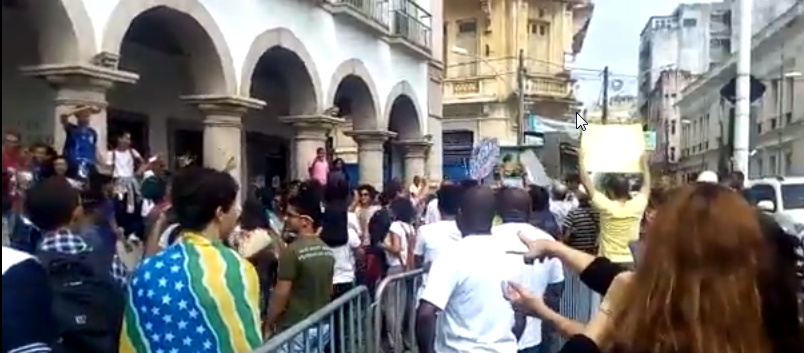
613	40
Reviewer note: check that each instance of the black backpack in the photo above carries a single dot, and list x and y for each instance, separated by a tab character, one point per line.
88	302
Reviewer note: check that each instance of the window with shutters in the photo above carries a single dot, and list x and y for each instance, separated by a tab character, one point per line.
466	40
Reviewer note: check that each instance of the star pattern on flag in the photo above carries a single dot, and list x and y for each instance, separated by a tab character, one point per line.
170	320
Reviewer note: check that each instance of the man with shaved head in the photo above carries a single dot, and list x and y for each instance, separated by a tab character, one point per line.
465	292
544	278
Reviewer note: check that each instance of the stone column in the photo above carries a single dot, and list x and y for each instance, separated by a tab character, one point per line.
415	155
80	84
370	154
223	130
435	164
311	133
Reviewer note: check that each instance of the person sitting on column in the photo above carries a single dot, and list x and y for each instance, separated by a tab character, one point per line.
81	140
319	167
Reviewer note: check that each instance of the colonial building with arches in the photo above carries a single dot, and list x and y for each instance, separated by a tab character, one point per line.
266	82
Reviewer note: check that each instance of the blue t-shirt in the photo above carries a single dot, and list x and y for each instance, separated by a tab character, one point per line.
80	143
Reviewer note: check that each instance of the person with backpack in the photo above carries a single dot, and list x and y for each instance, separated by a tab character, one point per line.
85	278
398	245
28	325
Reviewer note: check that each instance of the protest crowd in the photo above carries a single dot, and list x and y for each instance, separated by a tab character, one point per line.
120	252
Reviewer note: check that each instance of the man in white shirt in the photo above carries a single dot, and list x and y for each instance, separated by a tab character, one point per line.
123	161
431	212
465	284
561	203
543	278
435	238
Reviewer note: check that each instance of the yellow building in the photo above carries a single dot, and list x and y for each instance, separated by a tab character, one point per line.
482	40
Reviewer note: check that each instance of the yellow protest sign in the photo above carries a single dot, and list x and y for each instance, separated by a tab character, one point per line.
613	148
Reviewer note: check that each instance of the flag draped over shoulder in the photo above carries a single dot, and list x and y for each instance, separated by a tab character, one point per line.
196	296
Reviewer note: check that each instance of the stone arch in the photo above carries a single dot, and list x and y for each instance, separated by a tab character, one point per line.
65	30
211	61
353	76
286	46
403	113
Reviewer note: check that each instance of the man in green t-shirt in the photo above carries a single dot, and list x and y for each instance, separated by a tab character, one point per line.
304	277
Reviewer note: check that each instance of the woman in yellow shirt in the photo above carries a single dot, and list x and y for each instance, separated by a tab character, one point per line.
620	213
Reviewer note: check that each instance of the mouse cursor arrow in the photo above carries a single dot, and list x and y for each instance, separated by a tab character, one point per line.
580	123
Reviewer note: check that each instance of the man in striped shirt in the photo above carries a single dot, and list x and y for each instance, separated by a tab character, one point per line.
28	323
581	226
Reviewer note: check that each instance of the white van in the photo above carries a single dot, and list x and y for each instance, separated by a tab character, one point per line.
783	197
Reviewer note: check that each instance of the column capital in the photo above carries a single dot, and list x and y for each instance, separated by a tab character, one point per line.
316	122
368	136
417	148
312	127
79	84
66	73
223	105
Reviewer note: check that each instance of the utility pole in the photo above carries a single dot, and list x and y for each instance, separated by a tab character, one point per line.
605	117
780	108
742	109
520	103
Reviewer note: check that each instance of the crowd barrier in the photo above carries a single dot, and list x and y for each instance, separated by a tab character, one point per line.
339	327
394	312
577	302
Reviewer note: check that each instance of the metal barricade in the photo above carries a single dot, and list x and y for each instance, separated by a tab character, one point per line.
394	312
576	301
342	326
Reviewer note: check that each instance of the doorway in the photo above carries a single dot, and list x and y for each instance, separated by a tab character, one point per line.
267	157
136	124
190	143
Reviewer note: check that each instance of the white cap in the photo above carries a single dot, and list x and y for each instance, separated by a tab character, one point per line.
708	177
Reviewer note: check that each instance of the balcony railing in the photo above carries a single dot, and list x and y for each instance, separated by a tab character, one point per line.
548	87
375	10
469	90
412	22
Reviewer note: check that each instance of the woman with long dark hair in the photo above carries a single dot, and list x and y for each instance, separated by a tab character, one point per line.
339	232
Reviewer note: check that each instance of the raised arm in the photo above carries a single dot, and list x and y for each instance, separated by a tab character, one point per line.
586	179
646	181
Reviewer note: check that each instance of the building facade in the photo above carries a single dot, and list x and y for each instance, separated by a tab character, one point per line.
776	119
265	82
694	38
483	39
663	118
